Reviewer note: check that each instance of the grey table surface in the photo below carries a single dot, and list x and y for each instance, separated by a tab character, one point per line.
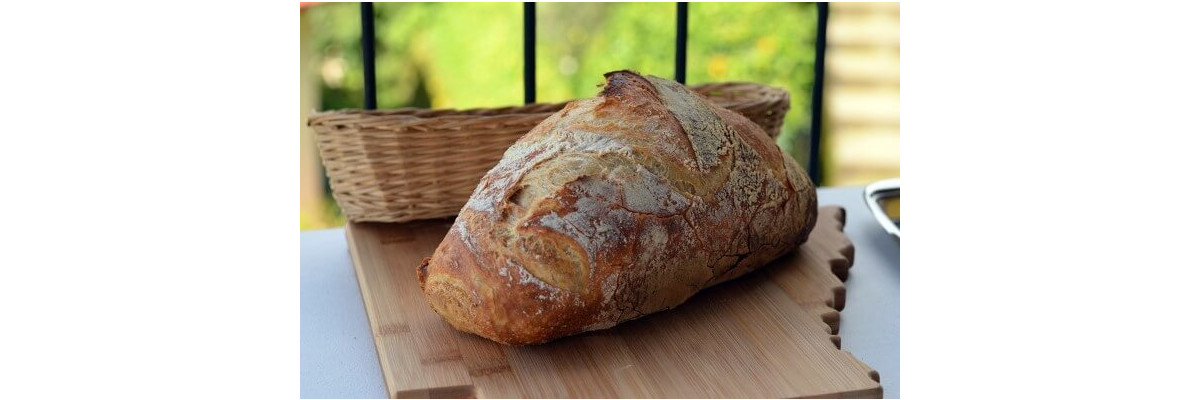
337	353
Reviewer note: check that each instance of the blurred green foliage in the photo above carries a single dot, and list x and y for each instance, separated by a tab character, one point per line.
465	55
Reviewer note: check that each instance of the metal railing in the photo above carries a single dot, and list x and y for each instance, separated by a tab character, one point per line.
681	23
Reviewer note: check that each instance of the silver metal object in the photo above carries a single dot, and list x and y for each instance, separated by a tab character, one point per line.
874	194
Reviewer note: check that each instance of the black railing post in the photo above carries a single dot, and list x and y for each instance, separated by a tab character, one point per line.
530	35
818	96
681	26
368	54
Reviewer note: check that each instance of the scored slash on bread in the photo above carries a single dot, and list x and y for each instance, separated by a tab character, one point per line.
615	207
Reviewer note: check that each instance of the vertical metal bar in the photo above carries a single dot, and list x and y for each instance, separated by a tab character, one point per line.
818	96
368	54
530	35
681	26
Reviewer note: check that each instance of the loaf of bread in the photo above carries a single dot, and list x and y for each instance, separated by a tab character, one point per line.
616	207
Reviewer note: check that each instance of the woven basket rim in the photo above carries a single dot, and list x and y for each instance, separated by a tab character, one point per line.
409	110
772	92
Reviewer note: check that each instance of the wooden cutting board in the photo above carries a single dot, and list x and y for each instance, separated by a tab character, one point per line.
769	334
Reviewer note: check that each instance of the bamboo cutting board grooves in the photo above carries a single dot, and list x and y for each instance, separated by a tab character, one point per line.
771	333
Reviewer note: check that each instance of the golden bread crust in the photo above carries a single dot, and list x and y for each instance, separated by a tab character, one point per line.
616	207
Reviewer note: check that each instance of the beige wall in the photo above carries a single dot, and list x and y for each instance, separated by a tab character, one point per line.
863	93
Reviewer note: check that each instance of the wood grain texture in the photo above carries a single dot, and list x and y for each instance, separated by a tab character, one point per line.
769	334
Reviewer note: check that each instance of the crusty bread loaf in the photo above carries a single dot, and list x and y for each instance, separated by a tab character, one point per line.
616	207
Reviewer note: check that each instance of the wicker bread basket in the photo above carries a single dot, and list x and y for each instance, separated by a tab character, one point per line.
409	164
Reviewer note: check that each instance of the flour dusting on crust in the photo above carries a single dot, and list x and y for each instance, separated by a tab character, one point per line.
518	160
710	136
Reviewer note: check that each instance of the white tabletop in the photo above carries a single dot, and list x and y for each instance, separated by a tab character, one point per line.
337	353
